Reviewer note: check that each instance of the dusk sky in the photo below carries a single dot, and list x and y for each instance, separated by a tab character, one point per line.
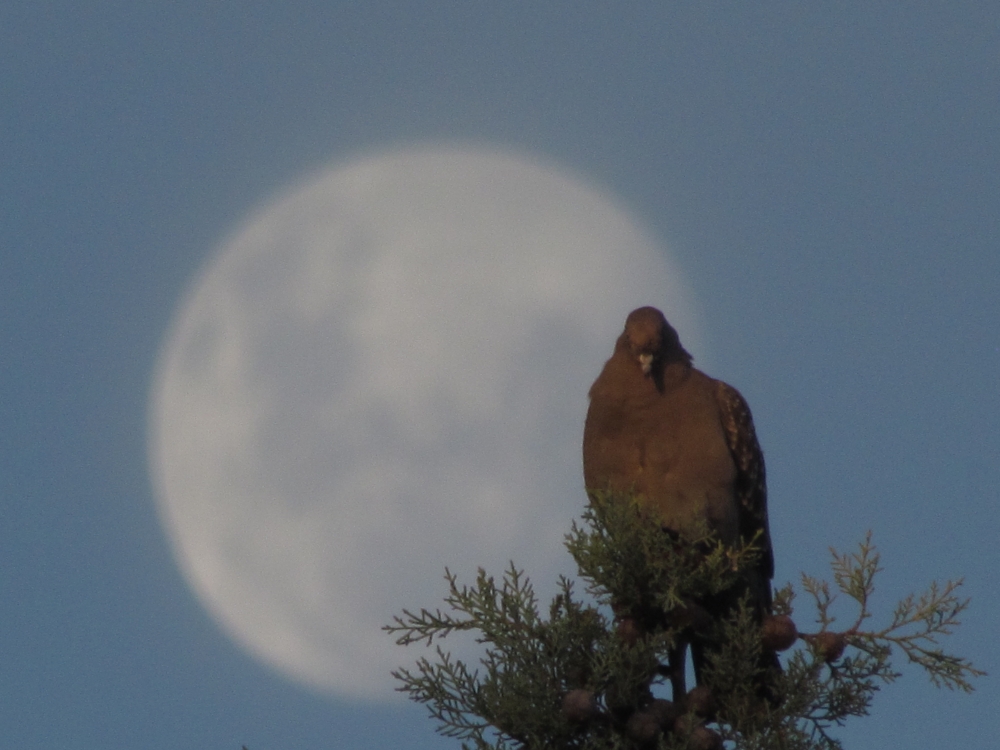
824	179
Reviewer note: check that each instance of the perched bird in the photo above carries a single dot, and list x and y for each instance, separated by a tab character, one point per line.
684	444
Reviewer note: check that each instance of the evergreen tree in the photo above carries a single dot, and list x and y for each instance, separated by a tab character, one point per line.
587	678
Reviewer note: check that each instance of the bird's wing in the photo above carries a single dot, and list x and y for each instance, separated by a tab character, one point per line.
751	482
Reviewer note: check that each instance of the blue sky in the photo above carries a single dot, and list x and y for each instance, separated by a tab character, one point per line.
827	178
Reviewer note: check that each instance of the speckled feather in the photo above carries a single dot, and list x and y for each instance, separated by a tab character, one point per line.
751	479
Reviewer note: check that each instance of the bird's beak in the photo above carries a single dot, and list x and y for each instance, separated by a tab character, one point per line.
646	362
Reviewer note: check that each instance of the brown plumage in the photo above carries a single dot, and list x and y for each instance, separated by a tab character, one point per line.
685	444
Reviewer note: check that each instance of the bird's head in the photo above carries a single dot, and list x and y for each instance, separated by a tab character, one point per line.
652	340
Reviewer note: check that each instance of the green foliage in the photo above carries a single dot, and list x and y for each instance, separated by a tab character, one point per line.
631	563
917	622
528	660
579	678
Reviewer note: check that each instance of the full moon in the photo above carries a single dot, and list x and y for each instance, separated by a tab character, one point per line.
384	373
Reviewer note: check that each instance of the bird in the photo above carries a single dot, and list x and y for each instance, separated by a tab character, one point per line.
684	445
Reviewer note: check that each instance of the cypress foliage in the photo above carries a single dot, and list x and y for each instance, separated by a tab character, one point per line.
582	678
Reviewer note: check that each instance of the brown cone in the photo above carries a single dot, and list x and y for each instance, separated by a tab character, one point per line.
642	728
703	738
830	645
666	712
579	706
629	630
778	633
701	702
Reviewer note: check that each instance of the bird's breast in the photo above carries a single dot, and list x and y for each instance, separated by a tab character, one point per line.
669	449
